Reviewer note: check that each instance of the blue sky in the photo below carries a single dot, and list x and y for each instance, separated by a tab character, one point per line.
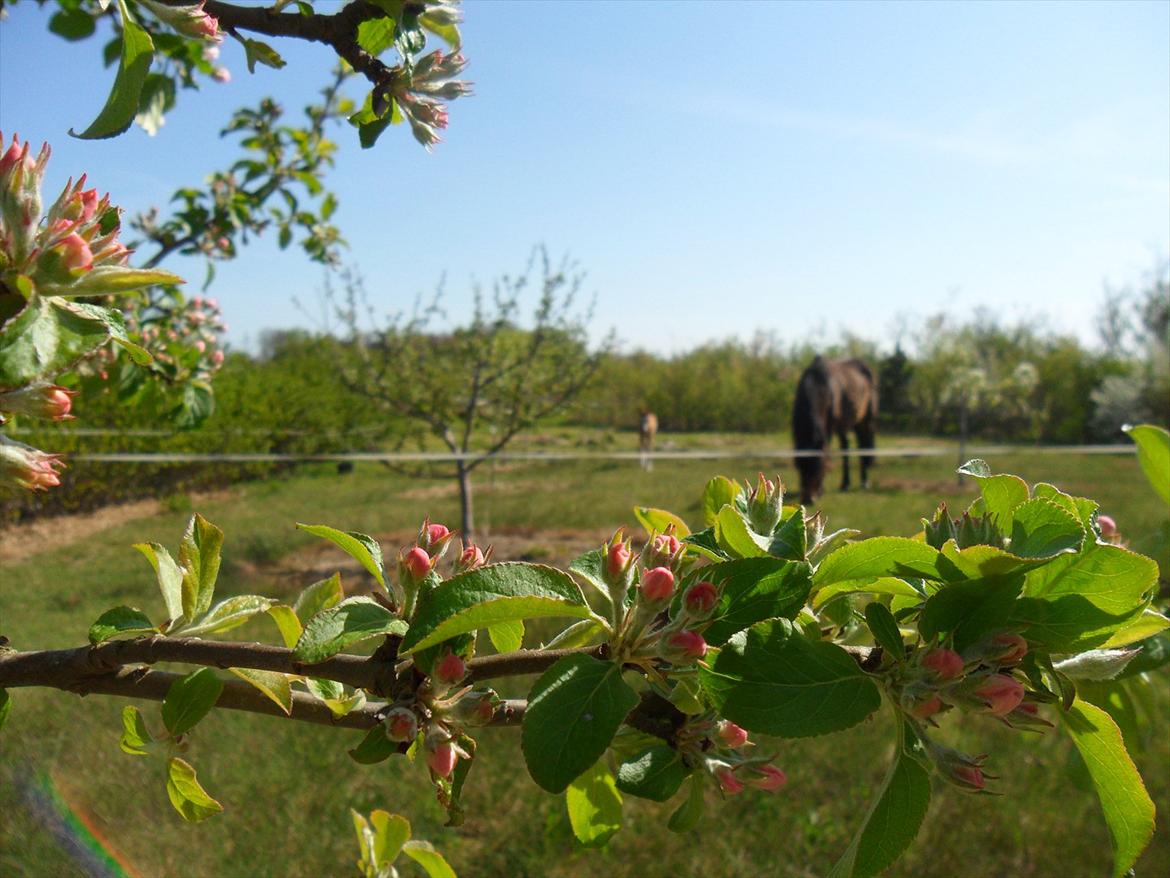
718	169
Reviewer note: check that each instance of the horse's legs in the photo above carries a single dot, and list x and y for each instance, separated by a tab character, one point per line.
865	439
843	435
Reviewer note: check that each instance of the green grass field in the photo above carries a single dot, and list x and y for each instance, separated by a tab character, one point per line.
287	788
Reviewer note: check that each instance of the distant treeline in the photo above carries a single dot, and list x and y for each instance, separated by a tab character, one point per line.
1015	382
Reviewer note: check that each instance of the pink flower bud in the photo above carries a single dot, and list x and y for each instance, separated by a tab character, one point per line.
1000	693
13	156
201	345
449	669
701	598
664	550
217	357
442	759
45	401
75	253
418	562
221	74
686	645
768	778
28	467
1013	648
207	27
728	782
401	724
617	559
89	204
657	585
472	557
924	708
968	776
946	664
1107	526
732	735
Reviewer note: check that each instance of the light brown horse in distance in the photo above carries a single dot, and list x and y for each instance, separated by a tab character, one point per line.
832	397
647	430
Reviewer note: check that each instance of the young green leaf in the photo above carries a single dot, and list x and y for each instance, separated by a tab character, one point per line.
656	773
353	620
1128	809
391	832
1042	529
507	636
374	747
735	537
687	816
594	805
588	567
199	558
170	577
122	104
884	628
895	816
1001	494
432	862
656	521
883	585
287	624
190	699
489	595
1153	444
136	737
876	558
317	597
970	609
790	539
751	590
120	620
574	710
772	680
229	614
188	797
274	685
363	548
719	492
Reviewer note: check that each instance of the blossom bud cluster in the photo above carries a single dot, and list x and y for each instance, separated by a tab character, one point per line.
190	21
420	93
185	339
765	504
722	748
28	467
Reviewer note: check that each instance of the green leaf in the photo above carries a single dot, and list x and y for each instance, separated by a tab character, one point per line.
106	279
690	812
705	544
228	614
448	33
885	585
754	589
1149	623
790	539
72	24
975	562
894	818
1042	529
332	630
884	627
170	577
120	620
273	684
1078	602
190	699
374	747
376	35
656	521
188	797
257	52
489	595
970	609
1129	812
199	558
594	805
589	567
136	737
719	492
432	862
875	558
656	774
734	536
122	104
1153	445
5	706
1001	493
391	832
317	597
581	633
50	335
358	545
507	636
772	680
574	710
333	694
287	623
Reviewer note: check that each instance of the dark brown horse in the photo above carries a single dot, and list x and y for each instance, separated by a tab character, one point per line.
833	396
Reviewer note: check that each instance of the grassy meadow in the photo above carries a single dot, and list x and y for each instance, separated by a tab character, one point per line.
287	788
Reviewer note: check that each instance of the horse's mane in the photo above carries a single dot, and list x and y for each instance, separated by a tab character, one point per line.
808	412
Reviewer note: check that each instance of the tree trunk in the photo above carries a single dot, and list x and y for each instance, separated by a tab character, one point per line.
466	526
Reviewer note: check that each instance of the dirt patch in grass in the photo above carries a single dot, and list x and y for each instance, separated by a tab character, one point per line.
22	541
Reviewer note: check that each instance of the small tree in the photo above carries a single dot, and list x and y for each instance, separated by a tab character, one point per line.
477	386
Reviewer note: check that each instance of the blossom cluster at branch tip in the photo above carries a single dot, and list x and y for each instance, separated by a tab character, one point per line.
189	21
420	91
28	467
50	401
